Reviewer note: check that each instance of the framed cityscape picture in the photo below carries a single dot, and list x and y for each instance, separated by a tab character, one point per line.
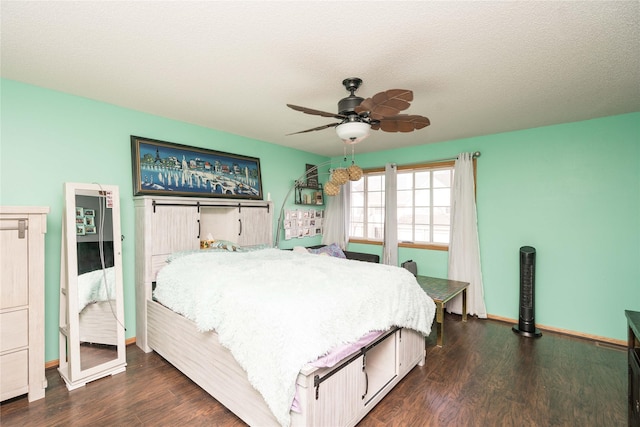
169	169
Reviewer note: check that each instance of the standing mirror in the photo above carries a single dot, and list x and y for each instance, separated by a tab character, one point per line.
92	338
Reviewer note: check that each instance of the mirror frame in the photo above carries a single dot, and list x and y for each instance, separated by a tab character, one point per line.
70	367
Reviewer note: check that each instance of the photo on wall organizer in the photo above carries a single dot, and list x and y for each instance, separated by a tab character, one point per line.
302	223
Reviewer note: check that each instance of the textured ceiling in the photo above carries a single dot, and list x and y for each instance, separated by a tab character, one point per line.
476	68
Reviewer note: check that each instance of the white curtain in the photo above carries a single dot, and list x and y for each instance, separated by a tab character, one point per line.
464	247
390	244
336	220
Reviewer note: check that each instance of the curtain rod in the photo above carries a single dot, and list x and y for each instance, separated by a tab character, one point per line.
476	154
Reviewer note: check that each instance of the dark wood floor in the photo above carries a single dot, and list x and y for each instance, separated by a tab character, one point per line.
485	375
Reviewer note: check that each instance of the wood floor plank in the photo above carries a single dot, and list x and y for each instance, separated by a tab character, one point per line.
485	375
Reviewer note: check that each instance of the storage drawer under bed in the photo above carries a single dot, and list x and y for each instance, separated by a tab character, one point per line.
341	395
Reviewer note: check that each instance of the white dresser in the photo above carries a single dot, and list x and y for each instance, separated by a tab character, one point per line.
22	231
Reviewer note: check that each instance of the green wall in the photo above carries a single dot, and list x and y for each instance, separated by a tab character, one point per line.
572	191
48	138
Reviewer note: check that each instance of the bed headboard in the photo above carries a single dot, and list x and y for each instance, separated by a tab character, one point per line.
170	224
89	256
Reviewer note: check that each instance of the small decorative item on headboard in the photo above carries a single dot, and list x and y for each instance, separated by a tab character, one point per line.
206	243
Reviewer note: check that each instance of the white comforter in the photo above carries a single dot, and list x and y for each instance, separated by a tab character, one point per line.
278	310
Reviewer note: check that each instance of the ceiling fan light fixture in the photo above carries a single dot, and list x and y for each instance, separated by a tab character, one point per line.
353	132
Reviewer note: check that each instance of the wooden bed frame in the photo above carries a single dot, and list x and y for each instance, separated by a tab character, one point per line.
338	396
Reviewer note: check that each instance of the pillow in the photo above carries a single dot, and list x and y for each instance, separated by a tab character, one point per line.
220	244
331	250
301	249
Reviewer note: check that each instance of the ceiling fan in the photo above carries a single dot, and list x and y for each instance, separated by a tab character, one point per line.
358	115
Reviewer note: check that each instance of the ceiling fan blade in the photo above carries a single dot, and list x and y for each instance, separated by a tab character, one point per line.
385	104
330	125
316	112
401	123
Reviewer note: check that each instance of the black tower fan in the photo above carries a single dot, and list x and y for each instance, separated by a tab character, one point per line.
526	323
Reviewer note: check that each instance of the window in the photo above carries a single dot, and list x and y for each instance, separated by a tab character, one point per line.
424	205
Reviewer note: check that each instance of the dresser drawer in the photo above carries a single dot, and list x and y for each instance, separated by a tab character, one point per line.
14	266
14	330
15	372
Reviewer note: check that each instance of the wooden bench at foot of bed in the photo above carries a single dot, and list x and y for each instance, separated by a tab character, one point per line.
338	396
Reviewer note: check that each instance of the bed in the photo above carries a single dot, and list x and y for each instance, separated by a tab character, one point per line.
338	395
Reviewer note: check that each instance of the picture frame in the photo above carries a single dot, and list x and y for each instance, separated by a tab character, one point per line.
312	175
168	169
